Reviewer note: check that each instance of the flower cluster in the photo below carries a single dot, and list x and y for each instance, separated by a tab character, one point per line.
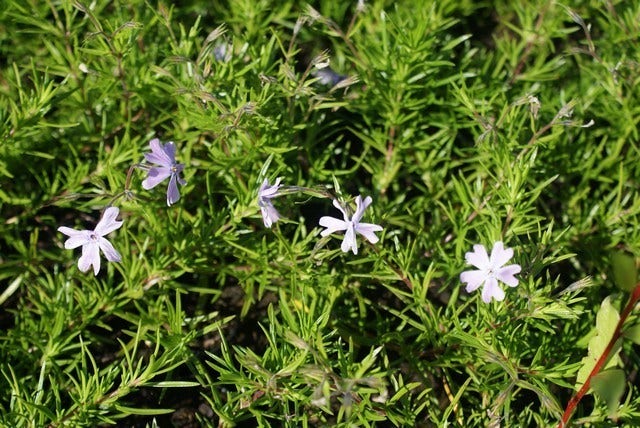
161	165
351	226
164	165
490	269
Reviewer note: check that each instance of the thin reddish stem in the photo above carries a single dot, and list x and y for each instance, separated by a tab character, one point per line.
633	299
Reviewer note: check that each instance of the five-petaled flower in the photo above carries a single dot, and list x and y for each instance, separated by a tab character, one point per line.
269	214
165	159
93	241
490	271
351	226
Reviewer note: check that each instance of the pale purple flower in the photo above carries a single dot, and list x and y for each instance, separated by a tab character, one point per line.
351	226
93	241
490	271
269	214
167	167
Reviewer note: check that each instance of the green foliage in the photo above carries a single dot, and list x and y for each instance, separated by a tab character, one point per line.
606	322
625	272
467	123
609	385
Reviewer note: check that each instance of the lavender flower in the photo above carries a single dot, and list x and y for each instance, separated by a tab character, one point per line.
93	241
351	227
490	270
165	158
269	214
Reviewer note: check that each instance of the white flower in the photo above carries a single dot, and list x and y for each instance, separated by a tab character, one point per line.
93	241
269	214
351	227
490	271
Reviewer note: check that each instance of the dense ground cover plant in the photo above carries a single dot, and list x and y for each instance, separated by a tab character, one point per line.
466	145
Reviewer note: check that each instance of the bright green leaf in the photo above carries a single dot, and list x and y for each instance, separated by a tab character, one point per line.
606	322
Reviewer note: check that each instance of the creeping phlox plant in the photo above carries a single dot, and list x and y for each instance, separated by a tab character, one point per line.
370	213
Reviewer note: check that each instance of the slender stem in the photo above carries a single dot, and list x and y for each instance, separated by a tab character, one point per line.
529	46
633	299
401	276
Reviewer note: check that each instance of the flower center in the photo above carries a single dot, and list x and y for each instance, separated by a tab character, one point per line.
93	236
491	272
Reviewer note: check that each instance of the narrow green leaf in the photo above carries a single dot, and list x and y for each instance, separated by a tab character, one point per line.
173	384
10	289
139	411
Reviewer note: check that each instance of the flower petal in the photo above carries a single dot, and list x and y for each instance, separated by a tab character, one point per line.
173	194
170	150
342	210
158	154
478	257
70	232
349	241
109	252
108	223
332	225
263	187
90	256
506	275
492	289
360	207
269	214
367	230
266	191
76	237
473	279
77	240
500	255
155	176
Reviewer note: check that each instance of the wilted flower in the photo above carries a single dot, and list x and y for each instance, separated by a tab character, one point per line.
351	227
326	76
93	241
165	159
269	214
490	271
